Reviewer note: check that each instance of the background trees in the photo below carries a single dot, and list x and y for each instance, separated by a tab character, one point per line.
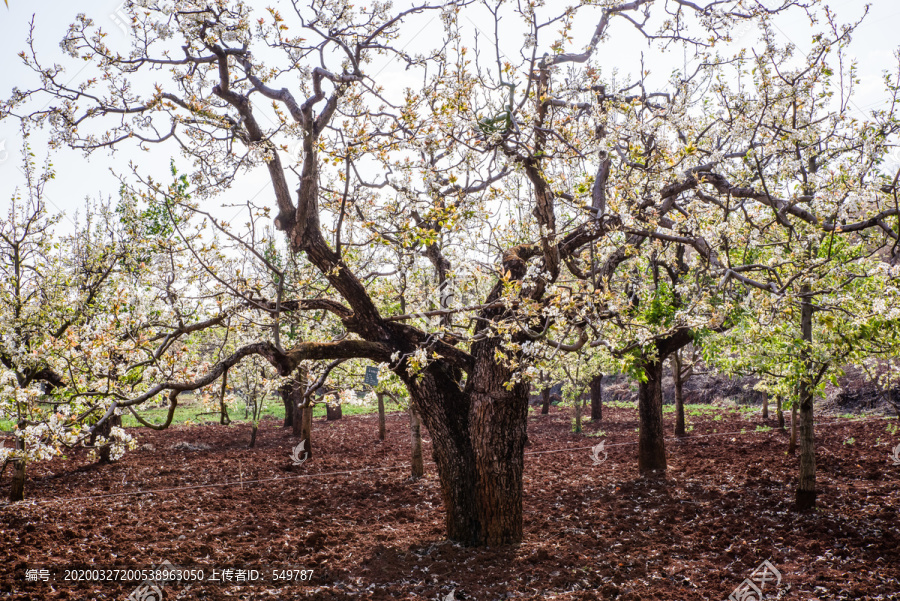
60	348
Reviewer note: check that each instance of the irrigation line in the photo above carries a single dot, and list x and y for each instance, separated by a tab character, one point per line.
242	482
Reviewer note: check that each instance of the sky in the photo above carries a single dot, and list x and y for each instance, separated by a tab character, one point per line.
79	177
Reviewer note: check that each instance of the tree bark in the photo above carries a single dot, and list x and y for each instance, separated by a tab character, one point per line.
545	400
651	443
288	400
806	491
253	431
679	395
597	398
105	429
415	429
224	418
498	422
303	426
17	487
779	412
765	407
792	446
381	425
444	408
577	408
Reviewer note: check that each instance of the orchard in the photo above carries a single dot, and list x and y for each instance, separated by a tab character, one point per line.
460	300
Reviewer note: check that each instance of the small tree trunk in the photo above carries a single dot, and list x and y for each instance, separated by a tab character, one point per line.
287	399
303	426
806	491
545	405
381	427
765	407
597	398
224	418
415	429
651	443
105	429
17	487
779	411
792	446
577	428
299	416
255	428
679	395
333	412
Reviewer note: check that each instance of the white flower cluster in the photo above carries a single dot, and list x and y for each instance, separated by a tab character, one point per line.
43	441
119	442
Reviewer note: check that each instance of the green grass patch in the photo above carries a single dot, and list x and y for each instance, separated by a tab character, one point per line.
621	404
192	413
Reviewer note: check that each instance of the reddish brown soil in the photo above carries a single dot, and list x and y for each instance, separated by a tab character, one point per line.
591	531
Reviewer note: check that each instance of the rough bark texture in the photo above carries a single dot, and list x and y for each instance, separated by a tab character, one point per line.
597	397
381	424
415	430
651	442
545	401
498	419
779	411
765	407
444	409
254	429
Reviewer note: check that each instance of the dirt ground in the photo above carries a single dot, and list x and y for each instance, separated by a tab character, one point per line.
593	529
